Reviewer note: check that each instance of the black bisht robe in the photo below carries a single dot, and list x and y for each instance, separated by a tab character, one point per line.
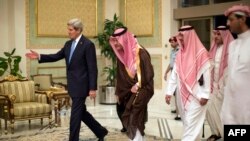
135	114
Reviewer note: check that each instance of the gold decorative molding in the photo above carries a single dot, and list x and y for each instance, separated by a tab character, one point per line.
154	40
139	16
50	68
58	69
101	63
27	25
52	16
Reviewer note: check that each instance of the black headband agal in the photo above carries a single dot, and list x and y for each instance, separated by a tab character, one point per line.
120	33
186	28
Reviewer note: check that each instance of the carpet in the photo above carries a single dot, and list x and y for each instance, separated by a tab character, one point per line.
62	134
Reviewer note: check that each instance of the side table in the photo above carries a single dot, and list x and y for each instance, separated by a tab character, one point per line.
61	98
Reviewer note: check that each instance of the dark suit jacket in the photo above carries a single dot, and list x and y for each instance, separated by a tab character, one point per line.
82	69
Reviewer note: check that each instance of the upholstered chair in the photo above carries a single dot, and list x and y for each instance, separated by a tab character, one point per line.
44	83
19	101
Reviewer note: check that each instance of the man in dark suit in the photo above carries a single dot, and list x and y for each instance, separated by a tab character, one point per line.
80	57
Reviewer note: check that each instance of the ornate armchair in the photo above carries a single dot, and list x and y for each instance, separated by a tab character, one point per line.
58	91
18	101
44	82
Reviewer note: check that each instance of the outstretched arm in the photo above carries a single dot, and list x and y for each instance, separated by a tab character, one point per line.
32	55
52	57
46	57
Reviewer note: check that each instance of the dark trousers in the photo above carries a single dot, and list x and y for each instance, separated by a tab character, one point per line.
79	113
120	108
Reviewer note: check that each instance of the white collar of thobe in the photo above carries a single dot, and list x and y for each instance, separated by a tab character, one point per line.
244	34
77	39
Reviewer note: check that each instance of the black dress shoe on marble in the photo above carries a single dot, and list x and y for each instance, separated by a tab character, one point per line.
101	139
173	111
105	132
177	118
123	130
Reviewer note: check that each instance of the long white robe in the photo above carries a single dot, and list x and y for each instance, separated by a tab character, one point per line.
138	136
216	98
193	117
235	107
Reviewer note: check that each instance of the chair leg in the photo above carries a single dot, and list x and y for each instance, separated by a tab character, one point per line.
5	127
0	127
6	117
29	124
67	103
59	112
50	121
12	126
56	112
41	121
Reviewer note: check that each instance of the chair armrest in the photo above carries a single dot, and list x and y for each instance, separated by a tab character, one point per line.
2	97
65	86
8	101
10	97
44	96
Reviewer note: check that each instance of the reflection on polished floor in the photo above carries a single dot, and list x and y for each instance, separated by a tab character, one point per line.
161	122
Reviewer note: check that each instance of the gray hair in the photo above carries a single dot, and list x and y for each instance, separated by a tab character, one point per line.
76	23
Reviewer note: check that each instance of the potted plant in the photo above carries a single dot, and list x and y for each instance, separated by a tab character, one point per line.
108	53
10	64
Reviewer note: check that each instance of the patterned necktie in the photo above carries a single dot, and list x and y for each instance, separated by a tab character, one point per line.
72	50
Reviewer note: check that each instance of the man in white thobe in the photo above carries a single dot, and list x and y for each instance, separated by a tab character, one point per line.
191	76
235	108
222	37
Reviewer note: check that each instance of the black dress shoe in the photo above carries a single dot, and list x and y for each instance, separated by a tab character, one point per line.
173	111
101	139
177	118
105	132
123	130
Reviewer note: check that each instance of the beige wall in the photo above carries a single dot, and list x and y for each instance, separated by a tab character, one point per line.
4	43
111	7
12	27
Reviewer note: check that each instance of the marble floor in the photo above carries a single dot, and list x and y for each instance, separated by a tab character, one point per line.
161	121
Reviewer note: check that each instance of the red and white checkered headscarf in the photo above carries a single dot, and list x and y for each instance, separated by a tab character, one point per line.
128	55
226	38
243	10
191	62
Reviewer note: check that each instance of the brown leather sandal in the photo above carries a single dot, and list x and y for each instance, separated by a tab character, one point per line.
213	138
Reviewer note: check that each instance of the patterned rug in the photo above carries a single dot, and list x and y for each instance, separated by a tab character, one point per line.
62	134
